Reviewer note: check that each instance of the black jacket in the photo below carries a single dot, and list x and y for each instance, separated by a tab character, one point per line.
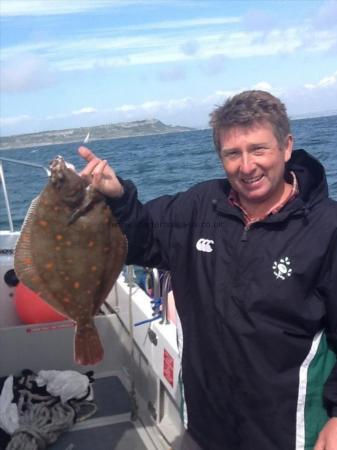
258	307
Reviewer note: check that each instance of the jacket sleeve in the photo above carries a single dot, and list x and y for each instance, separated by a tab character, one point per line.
330	293
149	227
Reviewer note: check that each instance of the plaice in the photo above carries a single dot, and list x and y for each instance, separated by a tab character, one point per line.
71	251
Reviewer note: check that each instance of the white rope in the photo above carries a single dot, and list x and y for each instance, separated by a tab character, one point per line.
43	418
41	425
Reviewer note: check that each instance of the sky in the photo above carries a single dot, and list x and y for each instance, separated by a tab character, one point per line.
80	63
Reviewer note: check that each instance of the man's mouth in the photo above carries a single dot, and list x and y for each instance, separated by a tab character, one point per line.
251	180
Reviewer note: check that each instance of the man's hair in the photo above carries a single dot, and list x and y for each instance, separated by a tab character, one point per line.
248	109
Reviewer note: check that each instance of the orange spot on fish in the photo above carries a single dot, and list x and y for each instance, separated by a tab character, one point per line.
43	223
93	268
76	285
91	244
59	237
27	261
49	265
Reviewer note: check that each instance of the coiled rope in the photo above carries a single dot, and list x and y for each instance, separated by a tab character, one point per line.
43	418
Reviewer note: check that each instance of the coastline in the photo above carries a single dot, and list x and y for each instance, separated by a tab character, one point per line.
94	139
97	133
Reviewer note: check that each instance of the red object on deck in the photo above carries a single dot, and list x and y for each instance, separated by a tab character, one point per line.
31	308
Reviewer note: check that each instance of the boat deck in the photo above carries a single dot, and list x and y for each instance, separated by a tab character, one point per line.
111	427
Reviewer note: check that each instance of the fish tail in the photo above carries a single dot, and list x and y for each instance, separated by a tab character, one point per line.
88	347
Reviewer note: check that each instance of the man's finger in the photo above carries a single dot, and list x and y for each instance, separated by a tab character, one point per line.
90	167
97	173
99	169
86	153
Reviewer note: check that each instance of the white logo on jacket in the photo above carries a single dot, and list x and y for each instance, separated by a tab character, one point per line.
281	268
204	245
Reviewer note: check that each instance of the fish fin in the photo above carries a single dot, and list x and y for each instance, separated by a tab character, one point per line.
24	266
23	256
92	196
88	347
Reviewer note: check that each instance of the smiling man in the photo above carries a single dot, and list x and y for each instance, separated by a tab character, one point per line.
254	163
253	260
254	154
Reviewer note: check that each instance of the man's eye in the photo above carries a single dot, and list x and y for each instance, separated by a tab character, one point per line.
231	155
259	150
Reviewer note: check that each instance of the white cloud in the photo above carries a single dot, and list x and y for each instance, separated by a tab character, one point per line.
263	86
26	72
153	105
170	106
216	98
126	108
54	7
173	42
189	111
203	22
325	82
319	41
184	110
15	120
85	110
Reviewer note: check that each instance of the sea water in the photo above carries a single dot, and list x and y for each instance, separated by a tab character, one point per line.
158	164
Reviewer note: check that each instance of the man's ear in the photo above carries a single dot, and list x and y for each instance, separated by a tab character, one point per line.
288	148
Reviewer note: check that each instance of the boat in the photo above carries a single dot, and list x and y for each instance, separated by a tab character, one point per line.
137	387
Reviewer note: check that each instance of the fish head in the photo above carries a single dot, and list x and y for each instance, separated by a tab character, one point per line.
67	182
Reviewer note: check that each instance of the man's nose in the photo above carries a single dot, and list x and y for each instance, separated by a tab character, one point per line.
247	164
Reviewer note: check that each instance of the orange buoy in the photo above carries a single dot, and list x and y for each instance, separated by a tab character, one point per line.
31	308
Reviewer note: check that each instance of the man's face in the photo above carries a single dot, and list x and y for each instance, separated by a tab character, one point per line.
254	164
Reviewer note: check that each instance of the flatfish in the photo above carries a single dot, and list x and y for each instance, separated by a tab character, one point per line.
71	251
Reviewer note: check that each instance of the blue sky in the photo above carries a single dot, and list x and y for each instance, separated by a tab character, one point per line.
71	63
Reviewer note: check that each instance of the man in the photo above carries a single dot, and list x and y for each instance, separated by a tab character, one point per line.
253	261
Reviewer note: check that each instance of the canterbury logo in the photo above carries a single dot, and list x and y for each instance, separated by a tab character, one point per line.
204	245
